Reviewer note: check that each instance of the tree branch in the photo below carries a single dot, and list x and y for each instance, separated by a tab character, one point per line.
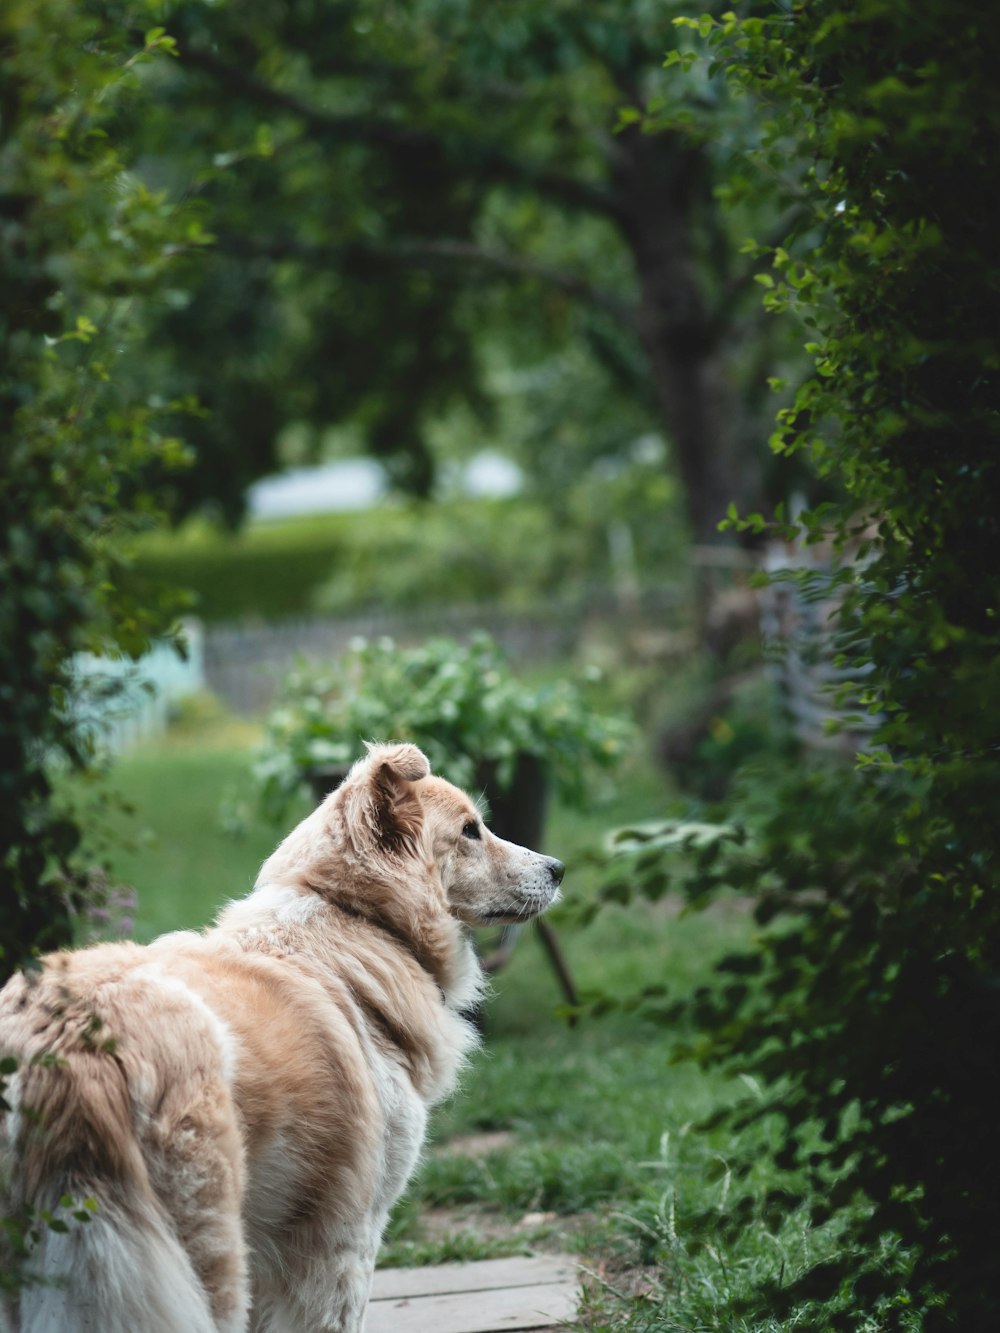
447	253
481	157
374	129
572	284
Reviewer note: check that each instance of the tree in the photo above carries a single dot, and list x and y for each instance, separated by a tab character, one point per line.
397	189
875	1012
84	246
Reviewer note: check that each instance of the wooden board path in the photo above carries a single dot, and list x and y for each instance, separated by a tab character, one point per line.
485	1297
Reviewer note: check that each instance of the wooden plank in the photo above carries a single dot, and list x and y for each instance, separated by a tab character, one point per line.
483	1275
533	1307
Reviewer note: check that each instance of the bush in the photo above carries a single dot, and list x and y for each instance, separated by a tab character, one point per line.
509	553
872	1009
268	571
84	245
491	552
395	557
460	703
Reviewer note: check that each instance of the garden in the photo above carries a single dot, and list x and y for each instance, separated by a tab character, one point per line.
721	287
585	1139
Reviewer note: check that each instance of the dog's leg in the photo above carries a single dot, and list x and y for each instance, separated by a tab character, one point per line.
328	1294
196	1169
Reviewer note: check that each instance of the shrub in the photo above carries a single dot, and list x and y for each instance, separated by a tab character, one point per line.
268	571
461	703
83	246
871	1009
509	553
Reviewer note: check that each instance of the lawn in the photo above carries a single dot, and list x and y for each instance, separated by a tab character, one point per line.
194	847
560	1137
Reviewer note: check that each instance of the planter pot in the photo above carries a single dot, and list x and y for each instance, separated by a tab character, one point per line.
516	813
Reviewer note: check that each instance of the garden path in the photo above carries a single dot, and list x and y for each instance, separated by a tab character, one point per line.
488	1296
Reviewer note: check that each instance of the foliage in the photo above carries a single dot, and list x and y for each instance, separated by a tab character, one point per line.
84	247
871	1008
712	729
461	703
415	202
486	553
268	570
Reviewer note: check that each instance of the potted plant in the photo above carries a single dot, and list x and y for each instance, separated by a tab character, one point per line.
461	703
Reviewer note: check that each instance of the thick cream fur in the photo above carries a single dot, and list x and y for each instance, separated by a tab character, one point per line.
244	1105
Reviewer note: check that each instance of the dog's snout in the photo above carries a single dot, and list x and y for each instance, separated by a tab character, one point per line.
556	869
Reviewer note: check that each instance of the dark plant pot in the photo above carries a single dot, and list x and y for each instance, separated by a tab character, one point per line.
516	813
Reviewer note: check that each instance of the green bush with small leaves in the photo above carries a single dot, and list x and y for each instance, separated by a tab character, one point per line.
871	1009
461	703
85	248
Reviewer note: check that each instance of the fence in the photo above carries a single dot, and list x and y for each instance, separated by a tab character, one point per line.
124	702
119	702
798	622
244	663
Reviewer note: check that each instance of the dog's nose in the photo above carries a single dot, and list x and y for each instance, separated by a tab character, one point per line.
556	869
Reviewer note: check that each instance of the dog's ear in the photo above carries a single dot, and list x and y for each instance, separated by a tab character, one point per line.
384	803
402	761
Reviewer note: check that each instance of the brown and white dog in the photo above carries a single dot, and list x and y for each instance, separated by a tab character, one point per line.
244	1105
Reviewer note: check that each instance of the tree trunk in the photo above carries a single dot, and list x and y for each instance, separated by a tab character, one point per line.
664	188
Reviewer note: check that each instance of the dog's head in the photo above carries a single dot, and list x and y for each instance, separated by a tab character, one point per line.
396	808
394	841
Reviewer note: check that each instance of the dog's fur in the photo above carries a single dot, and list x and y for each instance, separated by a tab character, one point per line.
244	1105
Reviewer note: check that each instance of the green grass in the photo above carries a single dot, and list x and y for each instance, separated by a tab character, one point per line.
191	842
600	1152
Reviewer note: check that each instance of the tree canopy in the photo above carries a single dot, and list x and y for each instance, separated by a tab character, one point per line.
403	196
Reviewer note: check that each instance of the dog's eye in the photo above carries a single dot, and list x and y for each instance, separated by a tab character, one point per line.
471	829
